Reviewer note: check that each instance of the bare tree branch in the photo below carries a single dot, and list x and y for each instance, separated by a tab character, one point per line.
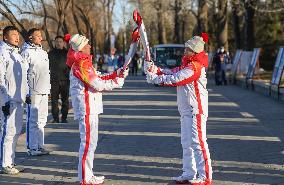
40	15
6	12
76	20
45	25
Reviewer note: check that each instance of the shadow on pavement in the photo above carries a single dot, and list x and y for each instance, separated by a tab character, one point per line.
139	143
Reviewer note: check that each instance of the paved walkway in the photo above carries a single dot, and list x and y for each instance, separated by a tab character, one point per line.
139	140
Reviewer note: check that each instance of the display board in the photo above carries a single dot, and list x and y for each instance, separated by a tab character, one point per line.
236	62
253	63
278	68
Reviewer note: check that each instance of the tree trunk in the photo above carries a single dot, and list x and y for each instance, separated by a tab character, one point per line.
110	6
183	30
89	27
202	17
249	25
108	24
161	26
7	13
45	26
222	24
236	23
92	36
62	7
65	27
177	9
76	20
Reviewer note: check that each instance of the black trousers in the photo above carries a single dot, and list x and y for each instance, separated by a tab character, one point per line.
220	77
60	88
134	70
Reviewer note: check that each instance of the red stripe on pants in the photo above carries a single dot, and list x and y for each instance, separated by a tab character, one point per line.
87	122
199	124
199	129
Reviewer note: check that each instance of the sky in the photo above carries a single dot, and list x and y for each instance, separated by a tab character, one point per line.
118	15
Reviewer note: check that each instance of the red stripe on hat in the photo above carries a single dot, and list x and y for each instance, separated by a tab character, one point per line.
87	122
199	130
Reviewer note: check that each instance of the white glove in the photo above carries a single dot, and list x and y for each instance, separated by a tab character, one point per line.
118	71
150	67
148	78
125	72
120	82
122	73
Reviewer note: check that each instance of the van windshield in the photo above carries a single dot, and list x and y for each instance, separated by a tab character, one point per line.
169	56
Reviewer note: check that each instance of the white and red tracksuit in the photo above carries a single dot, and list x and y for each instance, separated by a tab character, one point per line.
85	86
192	98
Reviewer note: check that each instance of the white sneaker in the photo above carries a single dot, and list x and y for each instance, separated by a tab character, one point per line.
200	181
10	170
99	177
34	152
183	179
95	180
20	168
44	151
38	152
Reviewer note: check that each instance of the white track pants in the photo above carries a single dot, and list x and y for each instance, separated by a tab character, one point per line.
89	137
10	132
196	156
37	118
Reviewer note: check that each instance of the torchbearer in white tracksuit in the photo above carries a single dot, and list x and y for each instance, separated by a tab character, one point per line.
86	85
39	89
13	91
192	97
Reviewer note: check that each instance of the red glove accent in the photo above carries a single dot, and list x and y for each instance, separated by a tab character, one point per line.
135	35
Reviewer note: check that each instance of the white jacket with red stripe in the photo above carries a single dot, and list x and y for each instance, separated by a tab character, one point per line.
86	84
190	80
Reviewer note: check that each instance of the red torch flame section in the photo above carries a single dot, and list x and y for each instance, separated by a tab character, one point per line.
137	17
135	35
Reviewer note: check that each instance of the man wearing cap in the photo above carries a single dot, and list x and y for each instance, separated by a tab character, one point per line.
192	97
86	85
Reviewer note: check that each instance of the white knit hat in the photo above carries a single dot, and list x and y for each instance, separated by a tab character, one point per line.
196	44
77	42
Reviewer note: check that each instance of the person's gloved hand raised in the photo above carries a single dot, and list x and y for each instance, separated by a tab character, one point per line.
150	67
122	73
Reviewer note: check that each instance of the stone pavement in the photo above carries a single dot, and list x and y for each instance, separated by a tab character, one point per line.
139	141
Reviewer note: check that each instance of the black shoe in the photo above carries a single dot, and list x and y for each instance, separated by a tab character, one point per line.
64	121
55	121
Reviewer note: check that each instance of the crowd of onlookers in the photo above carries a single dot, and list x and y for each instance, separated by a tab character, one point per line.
109	63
